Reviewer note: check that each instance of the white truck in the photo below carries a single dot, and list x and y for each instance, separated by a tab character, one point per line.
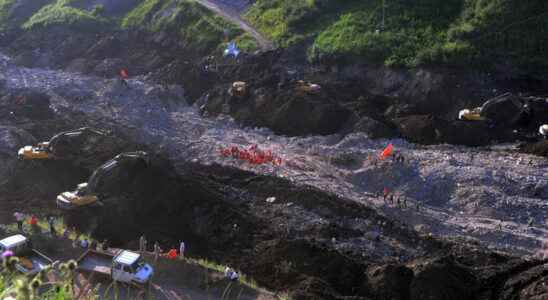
30	261
123	266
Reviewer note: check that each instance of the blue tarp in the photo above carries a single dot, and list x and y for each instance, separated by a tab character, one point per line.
231	49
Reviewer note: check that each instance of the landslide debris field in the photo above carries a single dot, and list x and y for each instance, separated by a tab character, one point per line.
326	233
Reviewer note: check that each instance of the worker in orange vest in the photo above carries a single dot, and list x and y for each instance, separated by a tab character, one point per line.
172	254
33	222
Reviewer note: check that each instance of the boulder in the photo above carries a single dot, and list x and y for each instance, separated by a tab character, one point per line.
504	110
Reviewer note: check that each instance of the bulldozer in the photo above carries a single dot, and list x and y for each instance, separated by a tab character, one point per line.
89	193
60	145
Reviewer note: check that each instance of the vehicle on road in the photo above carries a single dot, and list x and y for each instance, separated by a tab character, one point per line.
123	266
31	261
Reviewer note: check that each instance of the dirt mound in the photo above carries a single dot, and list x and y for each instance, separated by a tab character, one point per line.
427	129
284	109
442	279
283	263
389	281
539	148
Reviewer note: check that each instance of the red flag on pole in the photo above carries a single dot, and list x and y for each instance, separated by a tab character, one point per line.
387	151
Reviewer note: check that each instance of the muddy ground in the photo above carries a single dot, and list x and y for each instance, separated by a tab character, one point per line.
326	234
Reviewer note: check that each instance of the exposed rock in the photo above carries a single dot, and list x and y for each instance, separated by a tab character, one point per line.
373	128
389	281
427	129
504	110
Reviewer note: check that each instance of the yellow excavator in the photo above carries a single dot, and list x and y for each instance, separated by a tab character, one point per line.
60	145
40	151
88	193
303	87
77	198
471	115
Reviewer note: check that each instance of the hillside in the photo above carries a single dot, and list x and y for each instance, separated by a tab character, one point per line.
454	32
194	25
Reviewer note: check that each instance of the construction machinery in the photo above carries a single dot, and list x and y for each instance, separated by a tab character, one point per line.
122	266
40	151
543	130
307	88
79	197
61	145
30	261
91	192
238	89
471	115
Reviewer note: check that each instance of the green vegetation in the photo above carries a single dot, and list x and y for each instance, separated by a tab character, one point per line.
5	6
41	286
454	32
13	16
61	13
195	25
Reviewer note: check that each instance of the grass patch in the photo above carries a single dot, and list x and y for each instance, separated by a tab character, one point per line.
61	13
195	25
453	32
211	265
12	16
5	6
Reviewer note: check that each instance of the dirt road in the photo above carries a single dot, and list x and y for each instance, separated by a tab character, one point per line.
234	16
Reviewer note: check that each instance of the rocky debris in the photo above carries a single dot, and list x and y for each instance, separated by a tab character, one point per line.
11	139
27	104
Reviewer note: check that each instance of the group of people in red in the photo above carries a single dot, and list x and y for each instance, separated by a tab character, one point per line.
253	155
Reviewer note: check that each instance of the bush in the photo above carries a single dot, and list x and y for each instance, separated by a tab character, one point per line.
453	32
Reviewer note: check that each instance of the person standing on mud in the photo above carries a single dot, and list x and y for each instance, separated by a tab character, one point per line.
157	251
19	218
123	77
385	193
404	202
142	244
391	199
51	224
